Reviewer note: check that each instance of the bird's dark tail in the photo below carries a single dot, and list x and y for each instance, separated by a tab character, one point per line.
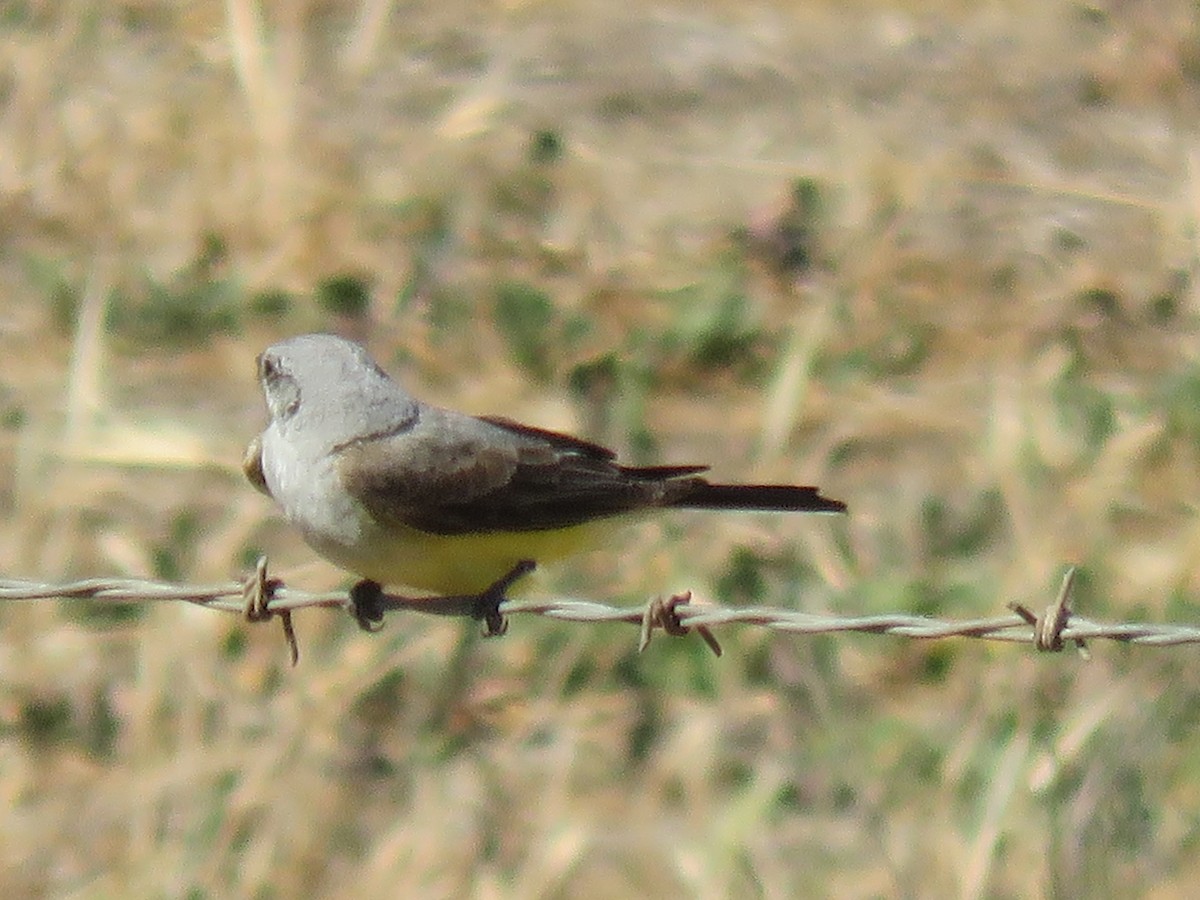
702	494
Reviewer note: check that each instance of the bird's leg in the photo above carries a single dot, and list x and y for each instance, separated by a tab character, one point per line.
368	602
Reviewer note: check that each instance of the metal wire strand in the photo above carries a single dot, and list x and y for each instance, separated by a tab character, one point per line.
260	598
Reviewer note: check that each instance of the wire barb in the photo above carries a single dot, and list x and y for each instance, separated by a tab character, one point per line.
257	591
664	614
1048	628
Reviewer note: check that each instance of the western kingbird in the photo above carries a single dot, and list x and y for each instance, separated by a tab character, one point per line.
401	492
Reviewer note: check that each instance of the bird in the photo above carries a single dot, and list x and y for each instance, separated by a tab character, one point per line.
405	493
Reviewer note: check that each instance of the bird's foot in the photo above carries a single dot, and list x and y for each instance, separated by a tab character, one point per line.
487	602
366	605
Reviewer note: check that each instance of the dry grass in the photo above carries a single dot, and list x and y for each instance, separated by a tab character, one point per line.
599	220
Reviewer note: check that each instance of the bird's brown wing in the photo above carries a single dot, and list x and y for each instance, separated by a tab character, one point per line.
553	438
454	474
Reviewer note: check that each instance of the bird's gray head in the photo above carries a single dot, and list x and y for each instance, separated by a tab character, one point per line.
326	388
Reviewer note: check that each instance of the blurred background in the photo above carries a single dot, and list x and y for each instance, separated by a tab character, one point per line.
938	257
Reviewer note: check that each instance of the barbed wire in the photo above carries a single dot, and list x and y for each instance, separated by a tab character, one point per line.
260	597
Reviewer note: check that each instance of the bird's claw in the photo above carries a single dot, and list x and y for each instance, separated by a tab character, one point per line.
487	604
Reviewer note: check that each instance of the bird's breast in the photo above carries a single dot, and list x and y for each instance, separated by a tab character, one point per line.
308	488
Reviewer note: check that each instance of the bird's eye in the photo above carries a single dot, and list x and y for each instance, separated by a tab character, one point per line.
268	368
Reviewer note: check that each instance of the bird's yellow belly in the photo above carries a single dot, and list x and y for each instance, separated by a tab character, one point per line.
453	564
